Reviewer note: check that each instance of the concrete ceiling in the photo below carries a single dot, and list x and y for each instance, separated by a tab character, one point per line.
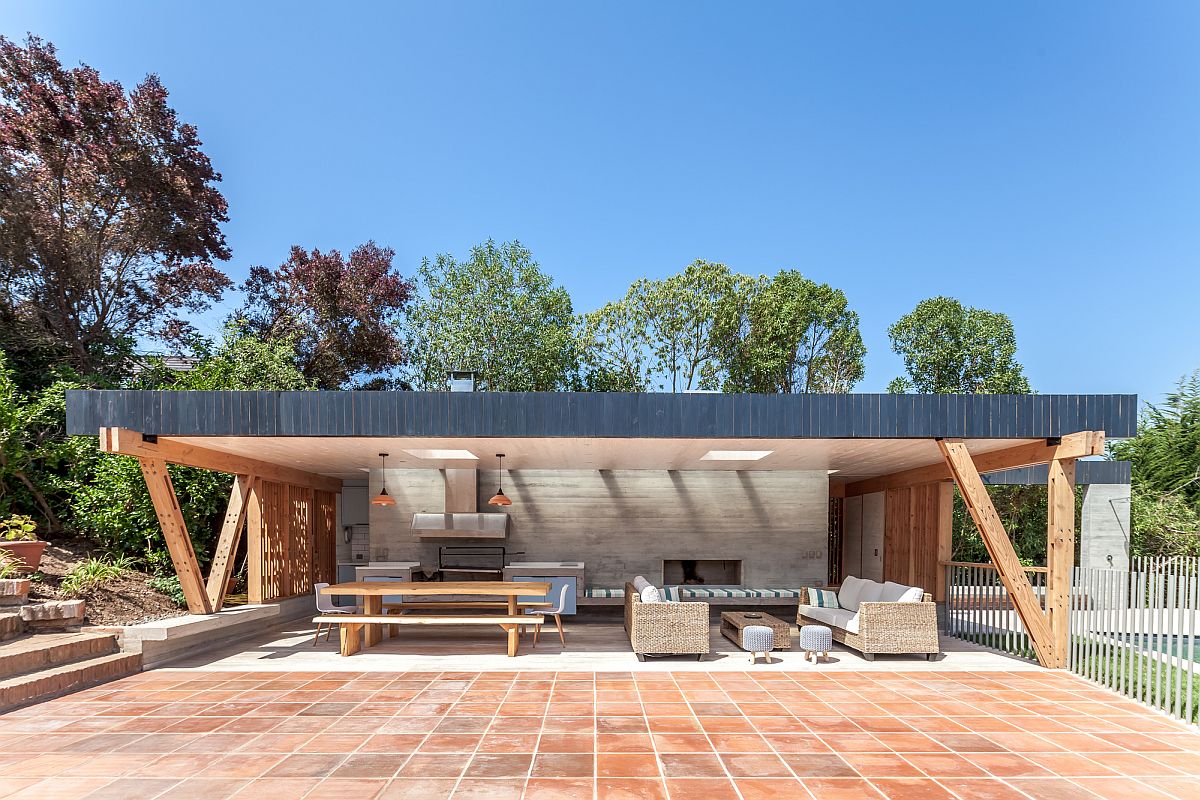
347	458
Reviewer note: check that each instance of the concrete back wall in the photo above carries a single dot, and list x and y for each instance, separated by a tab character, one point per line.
625	522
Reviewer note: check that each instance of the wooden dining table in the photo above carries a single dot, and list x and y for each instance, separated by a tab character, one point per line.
373	592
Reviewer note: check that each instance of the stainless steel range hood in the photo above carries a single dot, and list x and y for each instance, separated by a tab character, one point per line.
460	526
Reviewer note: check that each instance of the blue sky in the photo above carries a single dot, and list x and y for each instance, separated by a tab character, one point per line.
1034	158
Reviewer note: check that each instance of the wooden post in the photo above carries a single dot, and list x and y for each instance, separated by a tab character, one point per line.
945	536
1008	566
231	532
179	544
254	542
1060	553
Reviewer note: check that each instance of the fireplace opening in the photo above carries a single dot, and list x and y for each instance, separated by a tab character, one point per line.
702	572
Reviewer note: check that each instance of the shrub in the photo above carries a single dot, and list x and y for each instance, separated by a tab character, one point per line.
92	574
18	528
170	587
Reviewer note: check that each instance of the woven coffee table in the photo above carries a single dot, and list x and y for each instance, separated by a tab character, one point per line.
732	623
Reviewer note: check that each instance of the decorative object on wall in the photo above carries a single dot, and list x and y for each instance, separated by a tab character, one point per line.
383	498
500	498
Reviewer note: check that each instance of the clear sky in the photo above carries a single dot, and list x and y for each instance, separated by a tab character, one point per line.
1034	158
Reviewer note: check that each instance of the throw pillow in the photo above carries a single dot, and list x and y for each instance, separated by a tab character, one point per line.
651	595
823	598
640	583
913	595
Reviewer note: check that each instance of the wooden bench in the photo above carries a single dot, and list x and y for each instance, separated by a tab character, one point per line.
350	626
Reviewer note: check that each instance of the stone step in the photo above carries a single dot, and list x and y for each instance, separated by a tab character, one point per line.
11	625
40	651
65	678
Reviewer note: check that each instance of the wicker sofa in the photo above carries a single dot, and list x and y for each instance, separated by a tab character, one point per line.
877	618
665	628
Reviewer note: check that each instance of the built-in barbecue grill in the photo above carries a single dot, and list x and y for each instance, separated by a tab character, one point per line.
489	560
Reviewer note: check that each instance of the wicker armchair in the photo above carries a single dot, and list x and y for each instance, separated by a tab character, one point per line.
665	628
887	627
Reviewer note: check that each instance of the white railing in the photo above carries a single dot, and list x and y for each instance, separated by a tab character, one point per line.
980	610
1135	631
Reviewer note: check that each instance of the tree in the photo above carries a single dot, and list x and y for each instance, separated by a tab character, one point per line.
613	349
1165	465
495	313
340	313
790	334
109	217
950	348
32	424
661	333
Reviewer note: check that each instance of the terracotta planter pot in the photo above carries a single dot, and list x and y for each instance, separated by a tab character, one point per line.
30	554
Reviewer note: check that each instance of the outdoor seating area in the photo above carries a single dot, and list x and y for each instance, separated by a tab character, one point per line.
875	618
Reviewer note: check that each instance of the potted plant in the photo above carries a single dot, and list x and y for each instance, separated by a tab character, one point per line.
14	589
18	540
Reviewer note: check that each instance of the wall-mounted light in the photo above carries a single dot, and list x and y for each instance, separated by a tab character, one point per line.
383	498
500	498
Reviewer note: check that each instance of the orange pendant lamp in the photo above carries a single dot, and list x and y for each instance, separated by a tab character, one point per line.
383	498
500	498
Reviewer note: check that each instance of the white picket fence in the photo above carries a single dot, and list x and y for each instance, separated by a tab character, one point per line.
1134	631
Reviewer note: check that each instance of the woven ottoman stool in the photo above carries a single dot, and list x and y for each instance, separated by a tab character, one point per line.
815	639
758	639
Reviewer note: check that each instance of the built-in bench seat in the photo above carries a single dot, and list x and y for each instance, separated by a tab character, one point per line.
734	595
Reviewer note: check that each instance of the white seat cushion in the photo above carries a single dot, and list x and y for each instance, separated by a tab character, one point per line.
899	593
848	593
834	617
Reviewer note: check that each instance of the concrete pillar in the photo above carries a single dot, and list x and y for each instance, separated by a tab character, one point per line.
1104	526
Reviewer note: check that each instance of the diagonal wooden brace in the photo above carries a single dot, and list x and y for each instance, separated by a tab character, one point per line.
1004	557
179	544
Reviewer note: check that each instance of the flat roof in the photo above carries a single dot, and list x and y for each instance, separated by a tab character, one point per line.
600	415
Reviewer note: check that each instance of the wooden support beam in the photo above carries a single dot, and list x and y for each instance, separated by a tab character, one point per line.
1008	566
221	568
1060	554
179	544
254	542
1071	446
945	536
132	443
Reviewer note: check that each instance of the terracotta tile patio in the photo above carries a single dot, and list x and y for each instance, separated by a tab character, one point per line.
541	735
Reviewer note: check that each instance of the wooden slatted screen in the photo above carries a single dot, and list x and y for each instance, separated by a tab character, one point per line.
296	545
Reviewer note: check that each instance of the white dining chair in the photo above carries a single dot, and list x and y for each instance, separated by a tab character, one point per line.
555	612
325	606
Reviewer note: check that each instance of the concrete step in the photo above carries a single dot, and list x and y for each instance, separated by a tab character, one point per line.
64	678
10	625
43	650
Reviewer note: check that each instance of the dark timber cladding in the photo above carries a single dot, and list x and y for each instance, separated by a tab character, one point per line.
584	414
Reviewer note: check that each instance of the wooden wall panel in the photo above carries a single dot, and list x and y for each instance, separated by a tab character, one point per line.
897	538
916	534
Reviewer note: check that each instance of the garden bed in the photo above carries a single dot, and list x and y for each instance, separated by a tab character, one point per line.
125	600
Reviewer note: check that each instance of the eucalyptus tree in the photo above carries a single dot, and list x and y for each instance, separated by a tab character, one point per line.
789	334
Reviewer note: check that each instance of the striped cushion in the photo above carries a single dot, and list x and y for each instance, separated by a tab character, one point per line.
822	598
728	592
592	591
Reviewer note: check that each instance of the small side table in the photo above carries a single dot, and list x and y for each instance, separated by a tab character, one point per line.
815	639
